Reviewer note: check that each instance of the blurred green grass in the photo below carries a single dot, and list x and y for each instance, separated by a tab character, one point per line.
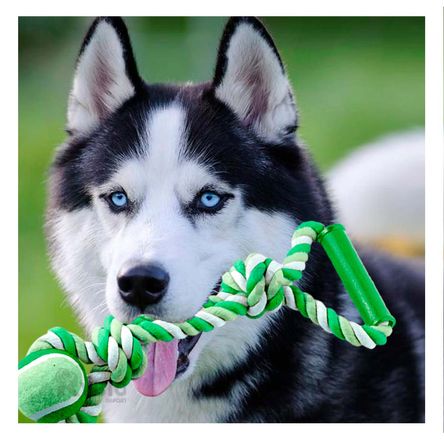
355	78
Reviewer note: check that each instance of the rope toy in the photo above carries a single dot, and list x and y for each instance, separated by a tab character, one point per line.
53	383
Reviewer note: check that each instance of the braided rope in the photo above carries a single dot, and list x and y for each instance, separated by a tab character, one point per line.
250	288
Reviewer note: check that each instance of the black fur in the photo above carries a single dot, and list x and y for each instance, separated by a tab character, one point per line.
299	373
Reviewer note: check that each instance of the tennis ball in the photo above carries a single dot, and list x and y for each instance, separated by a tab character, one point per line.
52	385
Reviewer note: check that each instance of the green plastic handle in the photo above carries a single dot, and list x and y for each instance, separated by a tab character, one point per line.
354	275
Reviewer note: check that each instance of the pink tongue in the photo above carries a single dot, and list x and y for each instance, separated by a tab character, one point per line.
161	369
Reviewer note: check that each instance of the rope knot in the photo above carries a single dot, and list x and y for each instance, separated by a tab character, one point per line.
259	280
120	351
264	282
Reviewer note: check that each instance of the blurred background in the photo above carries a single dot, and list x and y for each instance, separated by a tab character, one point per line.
355	79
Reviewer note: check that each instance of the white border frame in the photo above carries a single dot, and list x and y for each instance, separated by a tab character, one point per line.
433	10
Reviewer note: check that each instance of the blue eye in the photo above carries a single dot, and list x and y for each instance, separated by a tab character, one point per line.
210	200
118	199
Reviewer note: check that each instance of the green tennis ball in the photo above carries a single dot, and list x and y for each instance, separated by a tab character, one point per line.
52	385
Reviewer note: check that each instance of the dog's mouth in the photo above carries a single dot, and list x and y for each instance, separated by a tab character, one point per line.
166	361
184	348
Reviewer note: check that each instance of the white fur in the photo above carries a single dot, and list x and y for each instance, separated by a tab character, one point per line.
90	98
77	237
251	57
93	244
379	190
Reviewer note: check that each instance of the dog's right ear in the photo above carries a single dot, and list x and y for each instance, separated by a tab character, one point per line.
251	80
105	77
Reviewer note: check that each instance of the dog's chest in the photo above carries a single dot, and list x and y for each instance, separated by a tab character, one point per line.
175	405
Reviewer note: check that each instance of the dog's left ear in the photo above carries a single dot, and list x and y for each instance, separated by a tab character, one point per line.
106	75
251	80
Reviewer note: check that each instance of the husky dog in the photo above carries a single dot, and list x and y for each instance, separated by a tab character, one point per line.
160	188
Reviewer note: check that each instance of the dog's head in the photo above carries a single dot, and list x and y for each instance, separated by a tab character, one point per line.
159	188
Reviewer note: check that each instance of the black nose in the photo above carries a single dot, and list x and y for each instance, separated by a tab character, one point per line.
142	284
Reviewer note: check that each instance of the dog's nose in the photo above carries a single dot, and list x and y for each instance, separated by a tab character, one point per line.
142	284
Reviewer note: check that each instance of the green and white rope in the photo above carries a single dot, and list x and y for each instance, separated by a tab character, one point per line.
250	288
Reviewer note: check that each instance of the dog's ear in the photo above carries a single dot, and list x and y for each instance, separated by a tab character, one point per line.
251	80
105	77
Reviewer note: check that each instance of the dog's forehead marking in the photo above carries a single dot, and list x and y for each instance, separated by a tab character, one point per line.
161	165
165	136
